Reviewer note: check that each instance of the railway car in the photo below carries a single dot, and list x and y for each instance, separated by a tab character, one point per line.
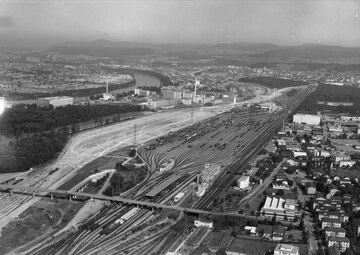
179	196
127	215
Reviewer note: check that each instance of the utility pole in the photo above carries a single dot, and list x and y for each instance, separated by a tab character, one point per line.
192	115
134	140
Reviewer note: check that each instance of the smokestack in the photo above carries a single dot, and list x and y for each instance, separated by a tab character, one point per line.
107	85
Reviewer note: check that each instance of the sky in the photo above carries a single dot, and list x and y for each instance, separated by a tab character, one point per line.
292	22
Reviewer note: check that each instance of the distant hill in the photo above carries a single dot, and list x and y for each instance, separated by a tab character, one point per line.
309	51
103	48
107	48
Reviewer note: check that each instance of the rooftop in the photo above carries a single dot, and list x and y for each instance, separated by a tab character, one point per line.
287	248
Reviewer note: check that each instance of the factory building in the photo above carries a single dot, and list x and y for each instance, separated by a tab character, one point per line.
306	119
141	92
54	101
162	103
268	106
229	99
279	207
172	94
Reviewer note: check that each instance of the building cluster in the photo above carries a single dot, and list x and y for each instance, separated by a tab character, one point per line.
307	138
331	214
172	96
34	76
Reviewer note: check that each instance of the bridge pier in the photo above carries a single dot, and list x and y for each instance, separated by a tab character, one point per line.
11	192
51	196
33	194
70	198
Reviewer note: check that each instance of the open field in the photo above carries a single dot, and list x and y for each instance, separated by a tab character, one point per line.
40	219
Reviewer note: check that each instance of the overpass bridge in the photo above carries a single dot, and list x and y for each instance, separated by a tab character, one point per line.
51	192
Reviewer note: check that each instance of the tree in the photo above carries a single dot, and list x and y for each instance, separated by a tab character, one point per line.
320	251
273	219
302	225
221	251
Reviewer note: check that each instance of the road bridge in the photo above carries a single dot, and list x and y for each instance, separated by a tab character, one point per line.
43	192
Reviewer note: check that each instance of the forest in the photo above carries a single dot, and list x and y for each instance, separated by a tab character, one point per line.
38	135
272	82
332	93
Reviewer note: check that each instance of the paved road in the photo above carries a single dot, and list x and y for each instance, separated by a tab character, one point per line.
312	243
263	186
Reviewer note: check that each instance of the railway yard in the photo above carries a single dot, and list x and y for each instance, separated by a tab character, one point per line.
176	146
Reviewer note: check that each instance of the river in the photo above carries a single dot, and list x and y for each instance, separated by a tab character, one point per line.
142	79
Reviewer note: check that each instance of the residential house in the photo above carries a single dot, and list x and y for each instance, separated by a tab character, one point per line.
327	222
338	232
341	242
264	230
343	217
278	233
310	188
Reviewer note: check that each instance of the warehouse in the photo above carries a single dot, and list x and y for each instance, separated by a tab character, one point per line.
306	119
54	101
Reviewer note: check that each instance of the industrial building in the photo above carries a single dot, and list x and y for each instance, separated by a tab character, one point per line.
279	207
141	92
172	94
54	101
208	174
268	106
162	103
306	119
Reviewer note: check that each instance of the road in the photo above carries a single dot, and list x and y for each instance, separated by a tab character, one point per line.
263	186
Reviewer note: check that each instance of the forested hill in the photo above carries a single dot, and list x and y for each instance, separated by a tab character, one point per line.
332	93
273	82
37	135
26	119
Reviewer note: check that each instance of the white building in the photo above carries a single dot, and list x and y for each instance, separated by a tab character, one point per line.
286	249
306	119
141	92
54	101
2	105
243	182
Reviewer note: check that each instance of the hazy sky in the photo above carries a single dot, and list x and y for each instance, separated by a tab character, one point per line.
183	21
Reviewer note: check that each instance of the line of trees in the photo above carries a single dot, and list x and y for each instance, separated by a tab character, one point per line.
332	93
273	82
27	119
